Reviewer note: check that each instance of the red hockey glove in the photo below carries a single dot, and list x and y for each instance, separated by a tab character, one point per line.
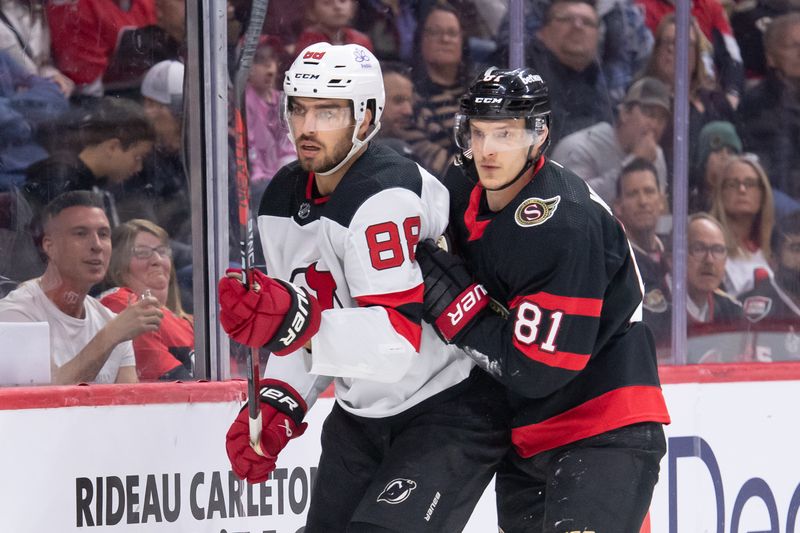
274	314
452	299
282	412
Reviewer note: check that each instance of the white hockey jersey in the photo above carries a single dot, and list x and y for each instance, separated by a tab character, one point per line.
354	250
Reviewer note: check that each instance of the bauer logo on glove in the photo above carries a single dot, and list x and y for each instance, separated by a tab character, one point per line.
277	315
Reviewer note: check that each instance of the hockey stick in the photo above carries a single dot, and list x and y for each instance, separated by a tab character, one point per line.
258	13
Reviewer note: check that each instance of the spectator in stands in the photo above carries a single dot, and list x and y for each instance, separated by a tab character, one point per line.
713	315
716	144
749	21
769	115
26	102
390	26
599	152
25	37
742	202
707	102
267	136
88	342
709	308
713	22
440	76
141	48
773	306
639	204
625	41
142	262
112	137
85	33
331	22
565	52
398	111
160	191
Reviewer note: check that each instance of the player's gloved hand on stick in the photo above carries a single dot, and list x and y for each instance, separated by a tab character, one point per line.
275	314
452	299
282	412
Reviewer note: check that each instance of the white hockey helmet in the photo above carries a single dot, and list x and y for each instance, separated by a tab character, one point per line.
348	72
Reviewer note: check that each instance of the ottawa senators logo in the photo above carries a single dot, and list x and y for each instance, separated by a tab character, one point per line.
397	491
757	307
535	211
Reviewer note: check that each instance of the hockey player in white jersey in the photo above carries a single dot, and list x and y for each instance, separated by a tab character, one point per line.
416	431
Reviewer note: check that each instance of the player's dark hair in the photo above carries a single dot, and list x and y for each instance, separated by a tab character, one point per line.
113	118
70	199
788	225
637	165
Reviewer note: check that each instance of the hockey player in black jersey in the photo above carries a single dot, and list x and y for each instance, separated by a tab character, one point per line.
563	330
417	430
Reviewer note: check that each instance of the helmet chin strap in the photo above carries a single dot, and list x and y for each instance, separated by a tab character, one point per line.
357	144
528	164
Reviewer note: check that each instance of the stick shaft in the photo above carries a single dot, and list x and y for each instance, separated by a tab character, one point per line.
258	13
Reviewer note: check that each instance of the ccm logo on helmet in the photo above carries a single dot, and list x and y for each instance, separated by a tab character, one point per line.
466	303
313	55
487	100
306	76
299	320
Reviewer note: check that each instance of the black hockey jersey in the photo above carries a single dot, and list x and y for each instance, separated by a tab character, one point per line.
775	322
572	350
354	250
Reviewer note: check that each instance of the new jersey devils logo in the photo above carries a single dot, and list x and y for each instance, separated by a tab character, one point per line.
397	491
322	283
535	211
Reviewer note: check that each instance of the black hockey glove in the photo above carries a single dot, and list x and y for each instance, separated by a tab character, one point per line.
452	299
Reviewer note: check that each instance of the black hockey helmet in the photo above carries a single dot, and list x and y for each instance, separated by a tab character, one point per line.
504	93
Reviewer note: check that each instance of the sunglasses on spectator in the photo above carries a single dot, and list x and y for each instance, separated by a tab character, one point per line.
698	250
749	184
146	252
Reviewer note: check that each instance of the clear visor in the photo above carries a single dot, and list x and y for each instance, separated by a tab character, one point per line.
327	115
490	134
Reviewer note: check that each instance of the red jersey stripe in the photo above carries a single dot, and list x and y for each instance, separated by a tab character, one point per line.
310	191
612	410
565	360
568	304
477	227
406	327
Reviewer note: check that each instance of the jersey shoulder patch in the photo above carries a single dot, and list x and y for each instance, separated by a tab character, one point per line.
536	211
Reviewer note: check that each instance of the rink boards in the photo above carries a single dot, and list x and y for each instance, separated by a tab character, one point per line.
151	458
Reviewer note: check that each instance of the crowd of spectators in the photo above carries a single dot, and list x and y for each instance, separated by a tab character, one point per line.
91	99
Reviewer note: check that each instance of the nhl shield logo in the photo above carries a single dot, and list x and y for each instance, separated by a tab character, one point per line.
535	211
397	491
304	211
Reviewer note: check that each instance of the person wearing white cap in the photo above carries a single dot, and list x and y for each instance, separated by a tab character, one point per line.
160	192
162	92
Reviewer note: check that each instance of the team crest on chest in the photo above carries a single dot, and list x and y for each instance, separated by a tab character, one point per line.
757	307
535	211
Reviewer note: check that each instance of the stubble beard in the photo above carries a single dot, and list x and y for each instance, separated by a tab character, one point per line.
339	152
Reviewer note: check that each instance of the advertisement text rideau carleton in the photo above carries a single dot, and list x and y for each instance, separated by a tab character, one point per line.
155	498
